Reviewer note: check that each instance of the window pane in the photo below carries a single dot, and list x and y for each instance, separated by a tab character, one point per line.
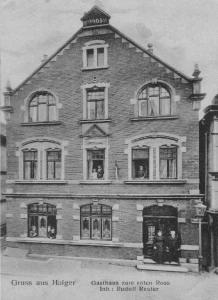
33	114
33	226
90	57
52	227
140	153
96	228
91	110
42	112
140	163
153	106
42	226
165	106
106	228
168	162
52	113
143	108
100	109
100	57
95	164
85	227
53	164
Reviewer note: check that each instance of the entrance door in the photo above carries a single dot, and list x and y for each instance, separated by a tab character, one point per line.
157	218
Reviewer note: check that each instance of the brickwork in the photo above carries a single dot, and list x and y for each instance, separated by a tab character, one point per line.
128	70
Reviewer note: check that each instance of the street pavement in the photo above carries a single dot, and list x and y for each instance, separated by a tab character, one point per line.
37	278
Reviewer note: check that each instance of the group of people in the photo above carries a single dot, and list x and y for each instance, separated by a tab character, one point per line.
98	173
166	248
50	234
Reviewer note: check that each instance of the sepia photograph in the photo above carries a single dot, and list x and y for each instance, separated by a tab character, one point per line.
109	149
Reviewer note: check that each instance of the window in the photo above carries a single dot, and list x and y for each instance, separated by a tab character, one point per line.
42	220
95	54
95	103
95	164
96	222
154	100
168	162
30	160
140	163
41	159
53	164
42	107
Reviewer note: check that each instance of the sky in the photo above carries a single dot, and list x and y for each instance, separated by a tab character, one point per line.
183	33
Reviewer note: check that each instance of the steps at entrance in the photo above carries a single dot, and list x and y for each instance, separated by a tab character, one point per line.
150	265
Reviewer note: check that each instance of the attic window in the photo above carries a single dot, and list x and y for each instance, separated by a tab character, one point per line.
95	55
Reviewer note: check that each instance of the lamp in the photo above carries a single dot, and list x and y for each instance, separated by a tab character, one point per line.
200	210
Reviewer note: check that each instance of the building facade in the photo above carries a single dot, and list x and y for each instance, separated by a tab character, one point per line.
103	144
209	176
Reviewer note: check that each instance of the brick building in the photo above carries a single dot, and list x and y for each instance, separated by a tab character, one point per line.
103	143
209	176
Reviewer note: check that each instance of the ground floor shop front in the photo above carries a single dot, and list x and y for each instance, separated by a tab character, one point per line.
157	227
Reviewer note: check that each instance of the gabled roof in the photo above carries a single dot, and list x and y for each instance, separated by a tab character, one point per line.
96	9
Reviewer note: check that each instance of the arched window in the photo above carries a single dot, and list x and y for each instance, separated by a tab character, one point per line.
42	220
154	100
42	107
95	220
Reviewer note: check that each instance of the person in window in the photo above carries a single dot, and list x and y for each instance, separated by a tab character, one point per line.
33	231
173	246
158	247
51	233
141	172
100	172
94	174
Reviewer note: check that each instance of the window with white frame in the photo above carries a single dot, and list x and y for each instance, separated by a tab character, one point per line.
155	157
41	160
154	100
95	55
168	162
42	220
140	163
95	164
42	107
30	164
95	222
95	101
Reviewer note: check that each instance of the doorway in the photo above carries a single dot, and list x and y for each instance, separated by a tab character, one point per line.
157	218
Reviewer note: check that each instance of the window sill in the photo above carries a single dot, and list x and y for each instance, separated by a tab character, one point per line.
41	123
154	118
40	181
94	68
169	181
95	121
65	242
100	181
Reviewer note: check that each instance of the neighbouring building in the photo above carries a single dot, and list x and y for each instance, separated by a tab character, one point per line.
103	150
209	176
3	173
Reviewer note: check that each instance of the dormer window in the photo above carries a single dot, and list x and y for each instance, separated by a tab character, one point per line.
95	55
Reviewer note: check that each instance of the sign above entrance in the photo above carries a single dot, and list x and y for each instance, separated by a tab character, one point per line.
95	17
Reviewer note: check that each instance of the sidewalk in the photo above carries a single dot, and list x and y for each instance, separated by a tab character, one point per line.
91	279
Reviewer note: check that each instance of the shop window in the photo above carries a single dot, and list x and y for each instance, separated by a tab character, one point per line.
95	164
96	222
53	164
140	163
96	103
42	107
30	164
42	220
154	100
168	162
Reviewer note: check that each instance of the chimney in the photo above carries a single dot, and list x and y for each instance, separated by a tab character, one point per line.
150	48
45	57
